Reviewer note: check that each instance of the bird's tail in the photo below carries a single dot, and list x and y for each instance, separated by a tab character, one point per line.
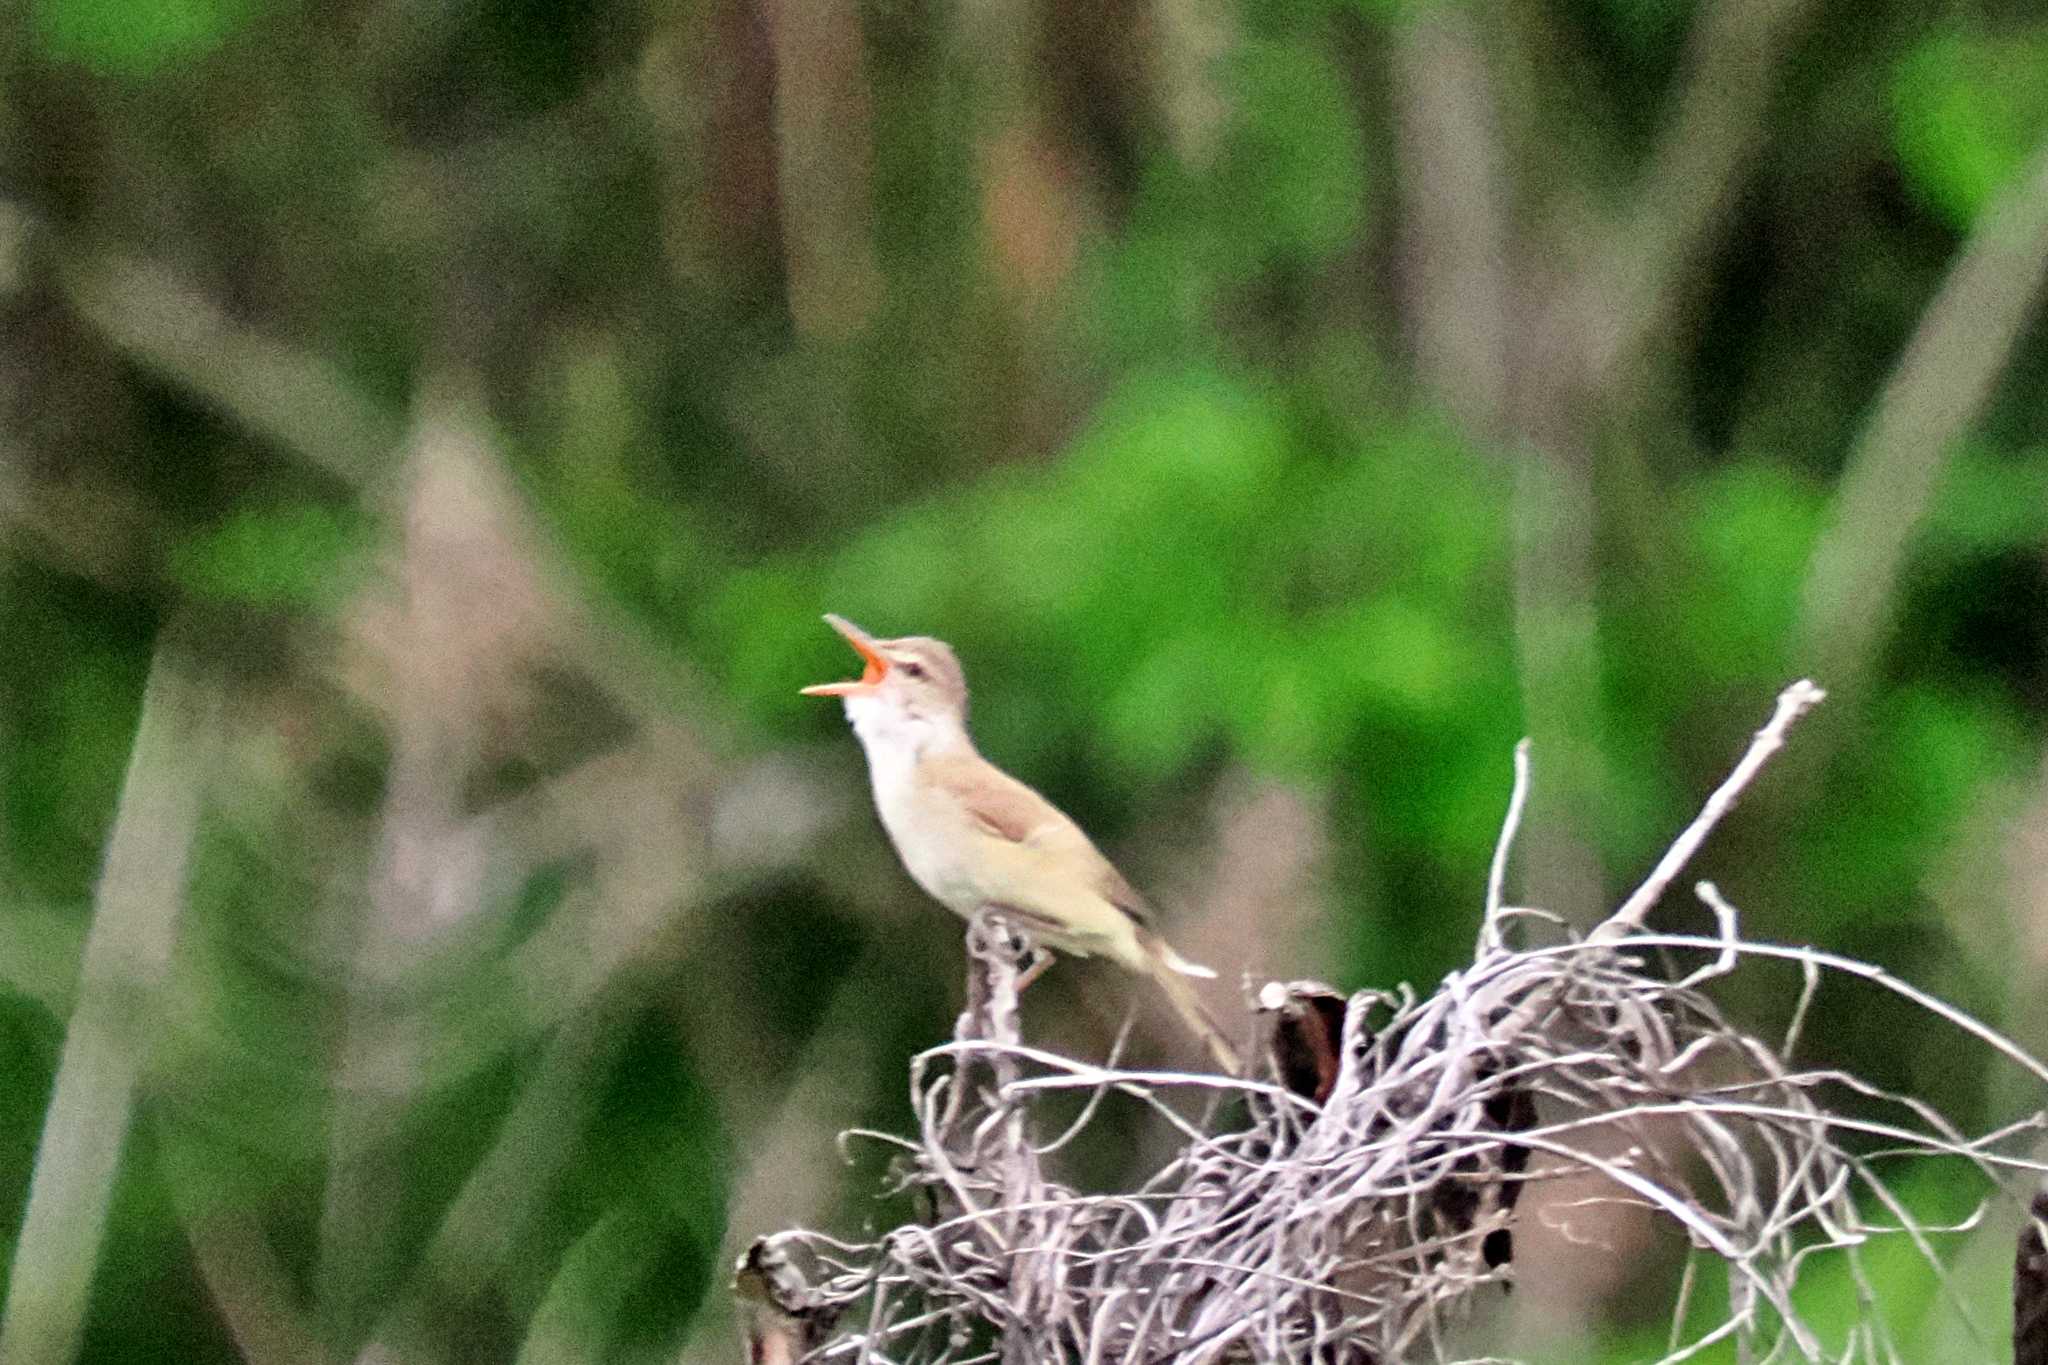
1171	971
1175	962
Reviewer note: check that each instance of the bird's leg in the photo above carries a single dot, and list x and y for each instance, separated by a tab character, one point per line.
1041	958
1018	942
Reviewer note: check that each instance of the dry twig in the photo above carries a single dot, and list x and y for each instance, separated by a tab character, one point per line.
1344	1210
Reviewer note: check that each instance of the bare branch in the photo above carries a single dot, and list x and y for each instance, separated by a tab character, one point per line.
293	397
1794	702
1354	1202
1497	874
1703	155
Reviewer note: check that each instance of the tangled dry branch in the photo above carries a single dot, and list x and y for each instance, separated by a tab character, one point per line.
1345	1205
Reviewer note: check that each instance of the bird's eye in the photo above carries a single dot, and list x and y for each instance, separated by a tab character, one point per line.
915	670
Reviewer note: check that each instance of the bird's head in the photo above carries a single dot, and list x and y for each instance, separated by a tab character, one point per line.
911	685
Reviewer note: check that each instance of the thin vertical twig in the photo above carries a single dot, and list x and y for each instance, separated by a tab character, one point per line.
1703	154
1490	929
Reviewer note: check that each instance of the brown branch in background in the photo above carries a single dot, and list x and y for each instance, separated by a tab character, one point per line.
706	81
481	603
1582	341
2020	907
70	429
1186	44
1705	151
1036	215
127	955
824	153
1256	896
1585	331
463	610
483	587
279	392
1243	878
1454	228
1942	382
1462	308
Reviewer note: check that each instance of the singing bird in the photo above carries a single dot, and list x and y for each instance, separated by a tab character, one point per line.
975	837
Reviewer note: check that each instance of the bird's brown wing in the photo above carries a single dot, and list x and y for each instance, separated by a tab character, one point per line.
1123	895
1002	806
995	801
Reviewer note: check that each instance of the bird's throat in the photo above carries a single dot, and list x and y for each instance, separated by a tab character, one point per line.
896	741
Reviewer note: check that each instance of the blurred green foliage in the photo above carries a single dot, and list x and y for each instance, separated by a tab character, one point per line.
131	39
1970	106
294	556
1119	382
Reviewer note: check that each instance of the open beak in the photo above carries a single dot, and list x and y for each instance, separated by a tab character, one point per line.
864	645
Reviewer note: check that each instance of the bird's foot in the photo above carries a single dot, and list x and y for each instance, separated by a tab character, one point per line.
1041	958
996	924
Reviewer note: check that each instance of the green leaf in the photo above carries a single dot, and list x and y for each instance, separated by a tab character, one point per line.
1294	171
1398	656
1170	702
1948	748
1990	502
292	556
577	1316
1967	109
1897	809
1197	432
135	37
1751	531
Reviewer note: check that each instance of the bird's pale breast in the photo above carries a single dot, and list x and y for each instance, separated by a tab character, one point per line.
1049	873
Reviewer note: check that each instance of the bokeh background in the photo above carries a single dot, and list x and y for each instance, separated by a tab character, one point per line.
433	928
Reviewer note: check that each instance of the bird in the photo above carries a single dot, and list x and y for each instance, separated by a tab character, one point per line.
975	838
